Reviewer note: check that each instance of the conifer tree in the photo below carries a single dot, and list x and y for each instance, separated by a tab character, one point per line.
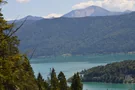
46	85
54	81
76	83
62	81
40	82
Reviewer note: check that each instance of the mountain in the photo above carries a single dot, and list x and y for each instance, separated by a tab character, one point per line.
79	36
29	17
30	20
92	11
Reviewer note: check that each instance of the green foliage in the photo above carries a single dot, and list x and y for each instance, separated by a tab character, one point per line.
76	83
119	72
40	82
62	81
59	83
54	81
15	70
46	85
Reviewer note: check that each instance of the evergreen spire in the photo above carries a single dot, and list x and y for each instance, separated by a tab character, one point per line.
62	81
54	81
76	83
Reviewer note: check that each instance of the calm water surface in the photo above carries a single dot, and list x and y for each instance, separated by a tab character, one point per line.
73	64
107	86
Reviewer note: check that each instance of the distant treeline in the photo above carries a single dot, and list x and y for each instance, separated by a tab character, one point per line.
118	72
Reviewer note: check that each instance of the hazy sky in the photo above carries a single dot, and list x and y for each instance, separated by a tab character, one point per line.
47	8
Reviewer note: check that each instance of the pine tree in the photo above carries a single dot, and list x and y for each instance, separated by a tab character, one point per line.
54	81
40	82
46	85
76	83
62	81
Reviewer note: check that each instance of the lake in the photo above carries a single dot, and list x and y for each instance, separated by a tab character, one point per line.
72	64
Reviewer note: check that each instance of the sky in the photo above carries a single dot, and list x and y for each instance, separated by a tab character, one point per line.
56	8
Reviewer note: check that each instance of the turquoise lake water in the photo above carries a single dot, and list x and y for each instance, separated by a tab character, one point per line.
72	64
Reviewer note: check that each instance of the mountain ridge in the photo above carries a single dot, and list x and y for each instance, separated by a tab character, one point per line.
30	17
92	11
86	12
79	36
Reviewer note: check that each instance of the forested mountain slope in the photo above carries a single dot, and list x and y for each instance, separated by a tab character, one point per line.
106	34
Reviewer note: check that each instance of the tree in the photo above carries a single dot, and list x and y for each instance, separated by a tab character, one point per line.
62	81
76	83
8	49
46	85
15	70
54	81
40	82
